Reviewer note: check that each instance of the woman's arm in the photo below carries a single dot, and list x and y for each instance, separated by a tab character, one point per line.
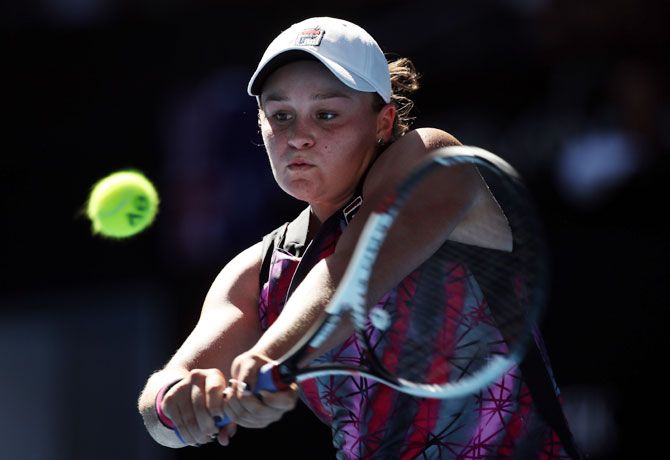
228	325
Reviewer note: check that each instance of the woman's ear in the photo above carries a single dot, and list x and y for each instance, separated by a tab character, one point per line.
385	119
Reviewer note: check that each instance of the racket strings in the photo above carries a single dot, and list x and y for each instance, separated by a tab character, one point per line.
425	309
447	325
430	336
446	329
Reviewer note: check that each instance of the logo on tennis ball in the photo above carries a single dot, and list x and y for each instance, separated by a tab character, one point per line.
122	204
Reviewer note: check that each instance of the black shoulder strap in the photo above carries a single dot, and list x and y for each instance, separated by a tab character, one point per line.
291	236
295	240
311	254
269	243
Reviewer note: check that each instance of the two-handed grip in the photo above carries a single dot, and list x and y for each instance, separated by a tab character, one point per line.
268	379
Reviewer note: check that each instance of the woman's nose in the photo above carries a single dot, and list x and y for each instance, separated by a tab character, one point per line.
301	136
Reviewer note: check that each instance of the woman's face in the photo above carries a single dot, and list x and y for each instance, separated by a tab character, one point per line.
320	135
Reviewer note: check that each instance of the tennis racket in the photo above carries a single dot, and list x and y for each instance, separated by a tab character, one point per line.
471	311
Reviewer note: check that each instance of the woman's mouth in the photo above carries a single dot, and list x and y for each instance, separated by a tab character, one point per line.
299	166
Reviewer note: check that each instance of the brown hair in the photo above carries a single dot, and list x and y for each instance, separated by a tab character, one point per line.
404	82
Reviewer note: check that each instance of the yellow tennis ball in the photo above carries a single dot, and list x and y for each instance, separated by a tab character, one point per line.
122	204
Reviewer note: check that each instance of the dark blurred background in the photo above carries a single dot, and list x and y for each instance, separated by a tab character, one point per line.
574	93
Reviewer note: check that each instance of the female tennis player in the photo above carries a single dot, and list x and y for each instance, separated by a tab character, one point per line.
333	114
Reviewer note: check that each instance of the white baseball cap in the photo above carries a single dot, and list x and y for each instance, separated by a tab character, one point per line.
346	49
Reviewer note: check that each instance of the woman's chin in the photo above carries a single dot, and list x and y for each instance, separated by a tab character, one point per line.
300	190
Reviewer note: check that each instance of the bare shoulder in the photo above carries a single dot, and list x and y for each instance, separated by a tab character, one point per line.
238	282
404	154
432	138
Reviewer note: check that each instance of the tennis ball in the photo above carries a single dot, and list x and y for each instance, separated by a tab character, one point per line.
122	204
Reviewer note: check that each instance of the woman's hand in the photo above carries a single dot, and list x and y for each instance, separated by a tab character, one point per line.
192	405
259	409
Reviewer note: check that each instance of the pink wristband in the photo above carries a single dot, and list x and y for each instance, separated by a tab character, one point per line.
159	410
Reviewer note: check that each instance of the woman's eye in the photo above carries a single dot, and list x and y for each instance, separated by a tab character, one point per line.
326	115
281	116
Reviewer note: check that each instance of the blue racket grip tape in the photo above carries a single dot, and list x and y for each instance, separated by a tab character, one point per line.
264	381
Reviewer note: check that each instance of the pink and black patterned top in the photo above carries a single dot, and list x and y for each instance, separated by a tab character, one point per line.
370	420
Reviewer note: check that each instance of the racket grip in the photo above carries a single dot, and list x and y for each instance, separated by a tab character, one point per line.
268	379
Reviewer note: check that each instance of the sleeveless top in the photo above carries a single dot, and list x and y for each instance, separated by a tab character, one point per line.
370	420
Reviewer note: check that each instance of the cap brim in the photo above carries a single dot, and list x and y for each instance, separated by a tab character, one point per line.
298	53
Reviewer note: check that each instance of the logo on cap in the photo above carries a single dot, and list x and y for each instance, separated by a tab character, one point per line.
310	37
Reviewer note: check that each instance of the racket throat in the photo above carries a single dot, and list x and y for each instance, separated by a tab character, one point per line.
284	375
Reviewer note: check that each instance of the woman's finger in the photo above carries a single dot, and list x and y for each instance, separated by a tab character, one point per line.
186	425
250	412
173	406
226	434
214	399
280	400
205	423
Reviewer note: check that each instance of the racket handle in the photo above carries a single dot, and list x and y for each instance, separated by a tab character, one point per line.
268	379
